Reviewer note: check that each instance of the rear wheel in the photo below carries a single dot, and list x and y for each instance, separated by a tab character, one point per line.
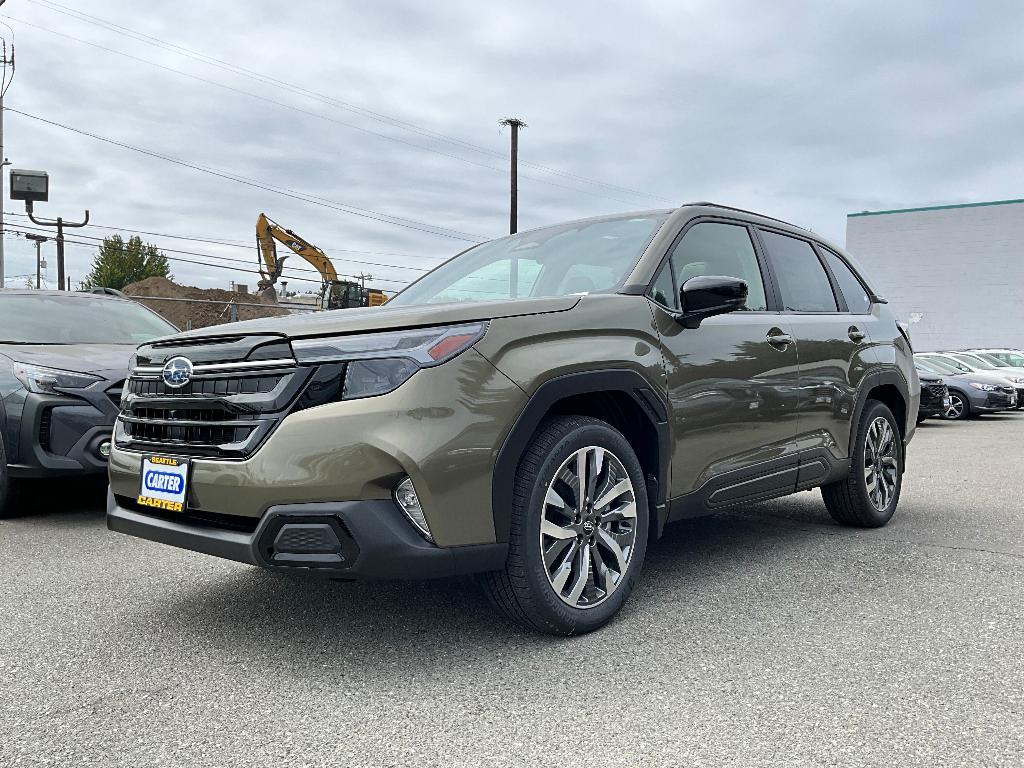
578	531
959	406
868	495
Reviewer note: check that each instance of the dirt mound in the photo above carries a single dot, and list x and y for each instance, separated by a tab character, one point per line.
194	314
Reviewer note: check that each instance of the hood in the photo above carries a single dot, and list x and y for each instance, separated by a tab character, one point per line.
982	377
339	321
107	360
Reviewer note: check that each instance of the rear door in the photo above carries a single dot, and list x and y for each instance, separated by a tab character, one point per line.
732	382
833	337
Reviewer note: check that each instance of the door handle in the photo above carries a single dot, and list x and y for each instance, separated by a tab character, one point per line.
856	334
778	339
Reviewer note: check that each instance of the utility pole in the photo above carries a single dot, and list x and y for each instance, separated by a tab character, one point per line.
6	82
513	216
39	240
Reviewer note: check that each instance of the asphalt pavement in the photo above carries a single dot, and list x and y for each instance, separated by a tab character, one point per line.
764	636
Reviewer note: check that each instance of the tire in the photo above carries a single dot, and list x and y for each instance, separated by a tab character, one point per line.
867	497
962	409
539	588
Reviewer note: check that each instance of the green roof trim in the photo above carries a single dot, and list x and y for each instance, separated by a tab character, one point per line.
934	208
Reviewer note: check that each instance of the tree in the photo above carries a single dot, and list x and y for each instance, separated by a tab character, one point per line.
120	263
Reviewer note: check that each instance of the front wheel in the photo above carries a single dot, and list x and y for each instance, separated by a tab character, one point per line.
868	495
578	531
959	406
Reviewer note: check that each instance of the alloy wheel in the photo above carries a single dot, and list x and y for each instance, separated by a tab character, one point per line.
881	465
956	407
588	527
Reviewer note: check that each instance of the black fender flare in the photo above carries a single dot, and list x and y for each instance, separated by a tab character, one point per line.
871	381
627	381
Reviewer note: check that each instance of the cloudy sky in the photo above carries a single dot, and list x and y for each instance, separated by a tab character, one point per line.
372	128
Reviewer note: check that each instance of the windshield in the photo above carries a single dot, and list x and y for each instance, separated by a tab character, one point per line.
579	257
1017	361
46	319
992	359
974	362
944	361
935	366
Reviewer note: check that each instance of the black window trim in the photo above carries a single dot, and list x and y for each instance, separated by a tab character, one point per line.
837	295
872	298
767	276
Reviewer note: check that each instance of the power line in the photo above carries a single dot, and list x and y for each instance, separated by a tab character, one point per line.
22	228
365	213
236	244
323	98
307	112
179	259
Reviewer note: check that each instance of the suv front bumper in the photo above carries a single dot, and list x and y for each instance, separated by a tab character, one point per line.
442	428
361	540
59	435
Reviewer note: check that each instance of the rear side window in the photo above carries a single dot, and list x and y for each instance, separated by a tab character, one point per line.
857	299
722	250
803	283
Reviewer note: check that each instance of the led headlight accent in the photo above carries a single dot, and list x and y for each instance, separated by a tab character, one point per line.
50	381
984	387
427	346
381	362
409	503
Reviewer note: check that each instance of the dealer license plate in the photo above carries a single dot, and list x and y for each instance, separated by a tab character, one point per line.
164	483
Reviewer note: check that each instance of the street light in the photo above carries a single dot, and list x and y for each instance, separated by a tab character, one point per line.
34	187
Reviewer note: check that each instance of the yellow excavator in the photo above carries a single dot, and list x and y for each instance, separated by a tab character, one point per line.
335	293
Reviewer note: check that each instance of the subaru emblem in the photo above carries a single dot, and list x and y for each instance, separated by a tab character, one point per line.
177	372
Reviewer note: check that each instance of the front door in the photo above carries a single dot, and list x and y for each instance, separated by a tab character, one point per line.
732	382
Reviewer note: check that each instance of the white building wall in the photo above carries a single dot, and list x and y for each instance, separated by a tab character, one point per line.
955	274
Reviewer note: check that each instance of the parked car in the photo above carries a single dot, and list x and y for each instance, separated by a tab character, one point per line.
970	392
1014	357
1012	376
1000	367
533	410
63	361
934	396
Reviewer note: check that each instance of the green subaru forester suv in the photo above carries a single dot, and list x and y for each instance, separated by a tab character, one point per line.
535	411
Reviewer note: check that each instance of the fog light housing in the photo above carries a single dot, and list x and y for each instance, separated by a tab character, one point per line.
409	503
104	449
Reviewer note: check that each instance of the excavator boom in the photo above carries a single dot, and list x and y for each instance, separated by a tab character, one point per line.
268	230
335	294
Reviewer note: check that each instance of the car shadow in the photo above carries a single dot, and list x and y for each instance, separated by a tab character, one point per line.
281	622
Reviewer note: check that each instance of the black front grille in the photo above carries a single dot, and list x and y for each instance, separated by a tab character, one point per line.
227	386
221	413
187	435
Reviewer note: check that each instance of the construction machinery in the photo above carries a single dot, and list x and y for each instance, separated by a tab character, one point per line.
334	294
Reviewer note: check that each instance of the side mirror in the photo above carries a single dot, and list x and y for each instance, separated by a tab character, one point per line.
707	295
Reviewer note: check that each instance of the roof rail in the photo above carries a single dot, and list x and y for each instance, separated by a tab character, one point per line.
741	210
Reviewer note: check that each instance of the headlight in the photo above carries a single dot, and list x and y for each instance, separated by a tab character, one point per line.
1016	379
49	381
381	362
984	387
